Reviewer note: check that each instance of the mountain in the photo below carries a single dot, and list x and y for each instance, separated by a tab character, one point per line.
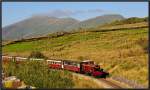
93	22
36	26
42	25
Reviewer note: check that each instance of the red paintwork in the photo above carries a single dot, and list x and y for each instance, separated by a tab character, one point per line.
72	68
97	73
55	66
87	68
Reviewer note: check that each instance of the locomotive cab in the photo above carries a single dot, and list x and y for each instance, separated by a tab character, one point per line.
87	66
96	68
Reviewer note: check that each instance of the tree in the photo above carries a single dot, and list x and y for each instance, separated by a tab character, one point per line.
37	54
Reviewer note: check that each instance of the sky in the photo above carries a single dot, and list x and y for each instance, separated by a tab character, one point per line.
13	12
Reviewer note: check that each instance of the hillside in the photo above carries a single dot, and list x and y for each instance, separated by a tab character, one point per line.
130	20
36	26
96	21
125	49
42	25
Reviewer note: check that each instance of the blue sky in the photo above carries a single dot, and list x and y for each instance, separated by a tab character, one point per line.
13	12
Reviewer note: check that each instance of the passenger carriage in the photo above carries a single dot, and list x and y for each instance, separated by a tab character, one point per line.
55	64
71	65
20	59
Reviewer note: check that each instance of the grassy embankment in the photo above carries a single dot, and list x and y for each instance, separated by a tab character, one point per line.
125	49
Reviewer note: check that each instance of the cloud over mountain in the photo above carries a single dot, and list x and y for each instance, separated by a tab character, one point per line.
68	13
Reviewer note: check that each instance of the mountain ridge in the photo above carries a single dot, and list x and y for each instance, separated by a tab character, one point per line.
36	26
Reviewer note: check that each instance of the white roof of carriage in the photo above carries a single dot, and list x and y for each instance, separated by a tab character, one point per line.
87	61
53	60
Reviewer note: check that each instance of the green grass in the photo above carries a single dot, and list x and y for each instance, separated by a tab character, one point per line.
112	48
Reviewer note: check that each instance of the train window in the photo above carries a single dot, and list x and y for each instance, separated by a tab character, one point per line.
59	62
97	68
86	63
50	62
91	62
76	64
66	63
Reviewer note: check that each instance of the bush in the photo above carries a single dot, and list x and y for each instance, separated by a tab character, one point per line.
129	21
143	42
37	74
37	54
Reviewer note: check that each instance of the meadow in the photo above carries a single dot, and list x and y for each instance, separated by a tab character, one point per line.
121	52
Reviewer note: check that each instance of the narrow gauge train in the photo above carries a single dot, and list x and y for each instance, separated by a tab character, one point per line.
84	67
17	59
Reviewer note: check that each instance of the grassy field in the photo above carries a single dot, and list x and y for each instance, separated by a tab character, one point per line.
85	82
123	52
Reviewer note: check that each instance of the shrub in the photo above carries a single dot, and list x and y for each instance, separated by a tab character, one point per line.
37	54
129	21
143	42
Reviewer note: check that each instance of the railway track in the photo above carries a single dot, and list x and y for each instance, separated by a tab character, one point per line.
111	84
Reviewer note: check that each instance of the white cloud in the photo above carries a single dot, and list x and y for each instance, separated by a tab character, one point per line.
67	12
